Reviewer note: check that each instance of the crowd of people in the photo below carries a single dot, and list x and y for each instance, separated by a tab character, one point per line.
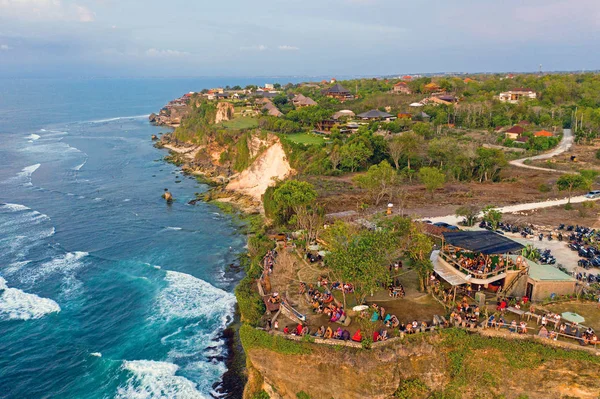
324	303
480	264
269	261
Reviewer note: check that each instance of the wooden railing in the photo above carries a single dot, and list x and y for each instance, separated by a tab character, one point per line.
475	274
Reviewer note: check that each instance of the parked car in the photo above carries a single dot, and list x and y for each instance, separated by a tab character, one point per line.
446	225
593	194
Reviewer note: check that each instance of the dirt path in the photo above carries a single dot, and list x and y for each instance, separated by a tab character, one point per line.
453	219
564	145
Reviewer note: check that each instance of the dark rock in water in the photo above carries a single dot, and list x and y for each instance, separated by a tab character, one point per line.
152	118
154	138
193	202
177	181
153	175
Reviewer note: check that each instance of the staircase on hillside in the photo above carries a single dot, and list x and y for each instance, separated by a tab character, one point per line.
507	288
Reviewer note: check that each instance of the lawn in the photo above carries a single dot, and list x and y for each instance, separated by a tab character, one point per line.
305	138
589	310
241	122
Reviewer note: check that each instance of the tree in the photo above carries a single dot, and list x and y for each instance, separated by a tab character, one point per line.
291	196
362	259
395	151
354	155
569	182
419	249
469	212
378	181
335	157
409	143
492	216
432	178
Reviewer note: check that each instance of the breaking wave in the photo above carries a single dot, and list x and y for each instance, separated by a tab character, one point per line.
18	305
151	379
65	264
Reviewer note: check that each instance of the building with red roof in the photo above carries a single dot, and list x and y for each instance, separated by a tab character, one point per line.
543	133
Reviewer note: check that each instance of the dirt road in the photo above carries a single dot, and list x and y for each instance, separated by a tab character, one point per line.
564	145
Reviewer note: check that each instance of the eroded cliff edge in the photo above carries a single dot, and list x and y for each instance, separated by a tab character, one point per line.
446	364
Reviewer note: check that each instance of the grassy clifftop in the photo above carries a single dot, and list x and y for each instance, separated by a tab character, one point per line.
448	364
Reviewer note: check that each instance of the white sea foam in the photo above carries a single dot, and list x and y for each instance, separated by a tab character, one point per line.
97	199
189	297
24	175
15	207
126	200
117	119
152	379
18	305
96	354
173	228
78	167
64	264
33	137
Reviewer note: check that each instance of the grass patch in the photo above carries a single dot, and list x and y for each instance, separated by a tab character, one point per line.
305	138
253	338
241	122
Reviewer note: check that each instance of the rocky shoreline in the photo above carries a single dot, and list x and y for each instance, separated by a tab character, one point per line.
184	155
194	161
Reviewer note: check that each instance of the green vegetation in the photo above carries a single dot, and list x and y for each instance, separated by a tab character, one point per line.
305	138
569	182
432	178
242	122
379	182
410	388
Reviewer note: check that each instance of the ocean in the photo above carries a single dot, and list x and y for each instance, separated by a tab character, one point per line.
105	290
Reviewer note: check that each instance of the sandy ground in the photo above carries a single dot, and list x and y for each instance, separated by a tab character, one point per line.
564	145
269	166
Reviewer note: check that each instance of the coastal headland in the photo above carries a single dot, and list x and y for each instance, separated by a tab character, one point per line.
342	296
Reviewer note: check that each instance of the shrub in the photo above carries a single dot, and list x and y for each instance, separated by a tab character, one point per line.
544	188
249	301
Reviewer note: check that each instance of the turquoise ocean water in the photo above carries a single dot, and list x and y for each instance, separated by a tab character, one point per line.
106	291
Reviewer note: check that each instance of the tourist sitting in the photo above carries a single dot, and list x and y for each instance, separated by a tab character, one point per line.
320	332
375	316
274	298
375	336
384	335
513	326
299	328
357	337
286	330
492	321
523	327
328	333
346	335
543	332
338	333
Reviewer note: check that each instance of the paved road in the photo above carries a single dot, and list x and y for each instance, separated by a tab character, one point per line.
453	219
564	145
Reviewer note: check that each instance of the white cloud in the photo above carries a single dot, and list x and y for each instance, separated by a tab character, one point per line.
45	10
285	47
260	47
153	52
5	47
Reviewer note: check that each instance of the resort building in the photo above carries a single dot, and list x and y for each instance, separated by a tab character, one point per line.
513	96
490	262
514	132
300	101
375	114
401	88
338	92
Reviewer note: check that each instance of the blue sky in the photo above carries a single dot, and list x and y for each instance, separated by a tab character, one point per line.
294	37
